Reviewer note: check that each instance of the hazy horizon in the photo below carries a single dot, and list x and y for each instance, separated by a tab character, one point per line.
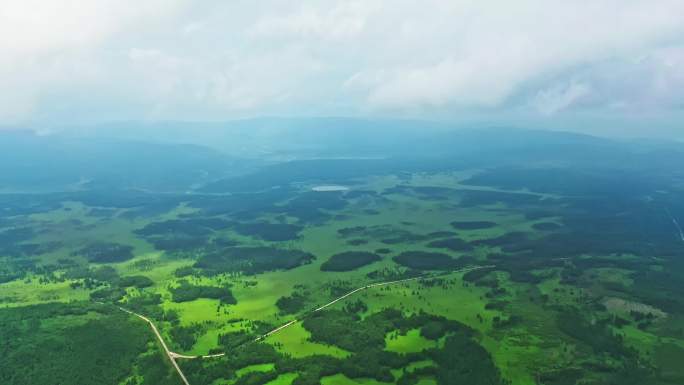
604	127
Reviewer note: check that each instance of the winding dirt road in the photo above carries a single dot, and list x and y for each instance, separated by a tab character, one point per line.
173	355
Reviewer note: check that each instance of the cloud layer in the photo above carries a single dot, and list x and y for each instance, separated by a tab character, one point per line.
96	60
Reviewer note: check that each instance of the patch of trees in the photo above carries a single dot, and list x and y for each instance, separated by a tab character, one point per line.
348	331
523	255
453	244
352	231
251	260
546	226
619	322
12	268
306	207
291	304
391	274
108	294
662	288
340	328
185	336
155	369
90	278
521	267
197	227
188	292
257	378
627	227
414	376
148	304
105	274
376	364
185	235
441	234
25	204
433	330
10	271
311	369
510	242
106	252
475	198
562	376
208	371
16	235
138	281
502	323
365	339
312	207
17	250
244	206
337	287
477	274
98	351
421	260
596	335
184	271
463	361
472	225
230	341
349	260
178	243
276	232
403	236
110	286
390	235
496	305
356	307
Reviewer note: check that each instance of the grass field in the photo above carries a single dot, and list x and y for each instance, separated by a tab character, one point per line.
513	320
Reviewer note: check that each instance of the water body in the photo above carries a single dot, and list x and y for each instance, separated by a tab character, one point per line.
325	188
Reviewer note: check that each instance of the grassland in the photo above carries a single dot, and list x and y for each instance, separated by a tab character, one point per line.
513	317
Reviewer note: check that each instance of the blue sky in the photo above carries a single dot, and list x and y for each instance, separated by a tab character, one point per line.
544	62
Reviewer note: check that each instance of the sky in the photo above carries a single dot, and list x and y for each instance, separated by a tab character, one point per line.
614	64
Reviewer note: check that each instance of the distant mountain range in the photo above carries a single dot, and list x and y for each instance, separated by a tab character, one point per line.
177	156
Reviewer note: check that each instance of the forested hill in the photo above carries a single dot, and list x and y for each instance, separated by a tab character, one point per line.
236	153
31	162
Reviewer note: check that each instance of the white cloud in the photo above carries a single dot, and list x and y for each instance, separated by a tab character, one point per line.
559	97
34	29
172	59
500	48
344	20
48	46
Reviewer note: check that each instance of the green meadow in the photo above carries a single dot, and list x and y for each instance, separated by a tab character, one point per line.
213	281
